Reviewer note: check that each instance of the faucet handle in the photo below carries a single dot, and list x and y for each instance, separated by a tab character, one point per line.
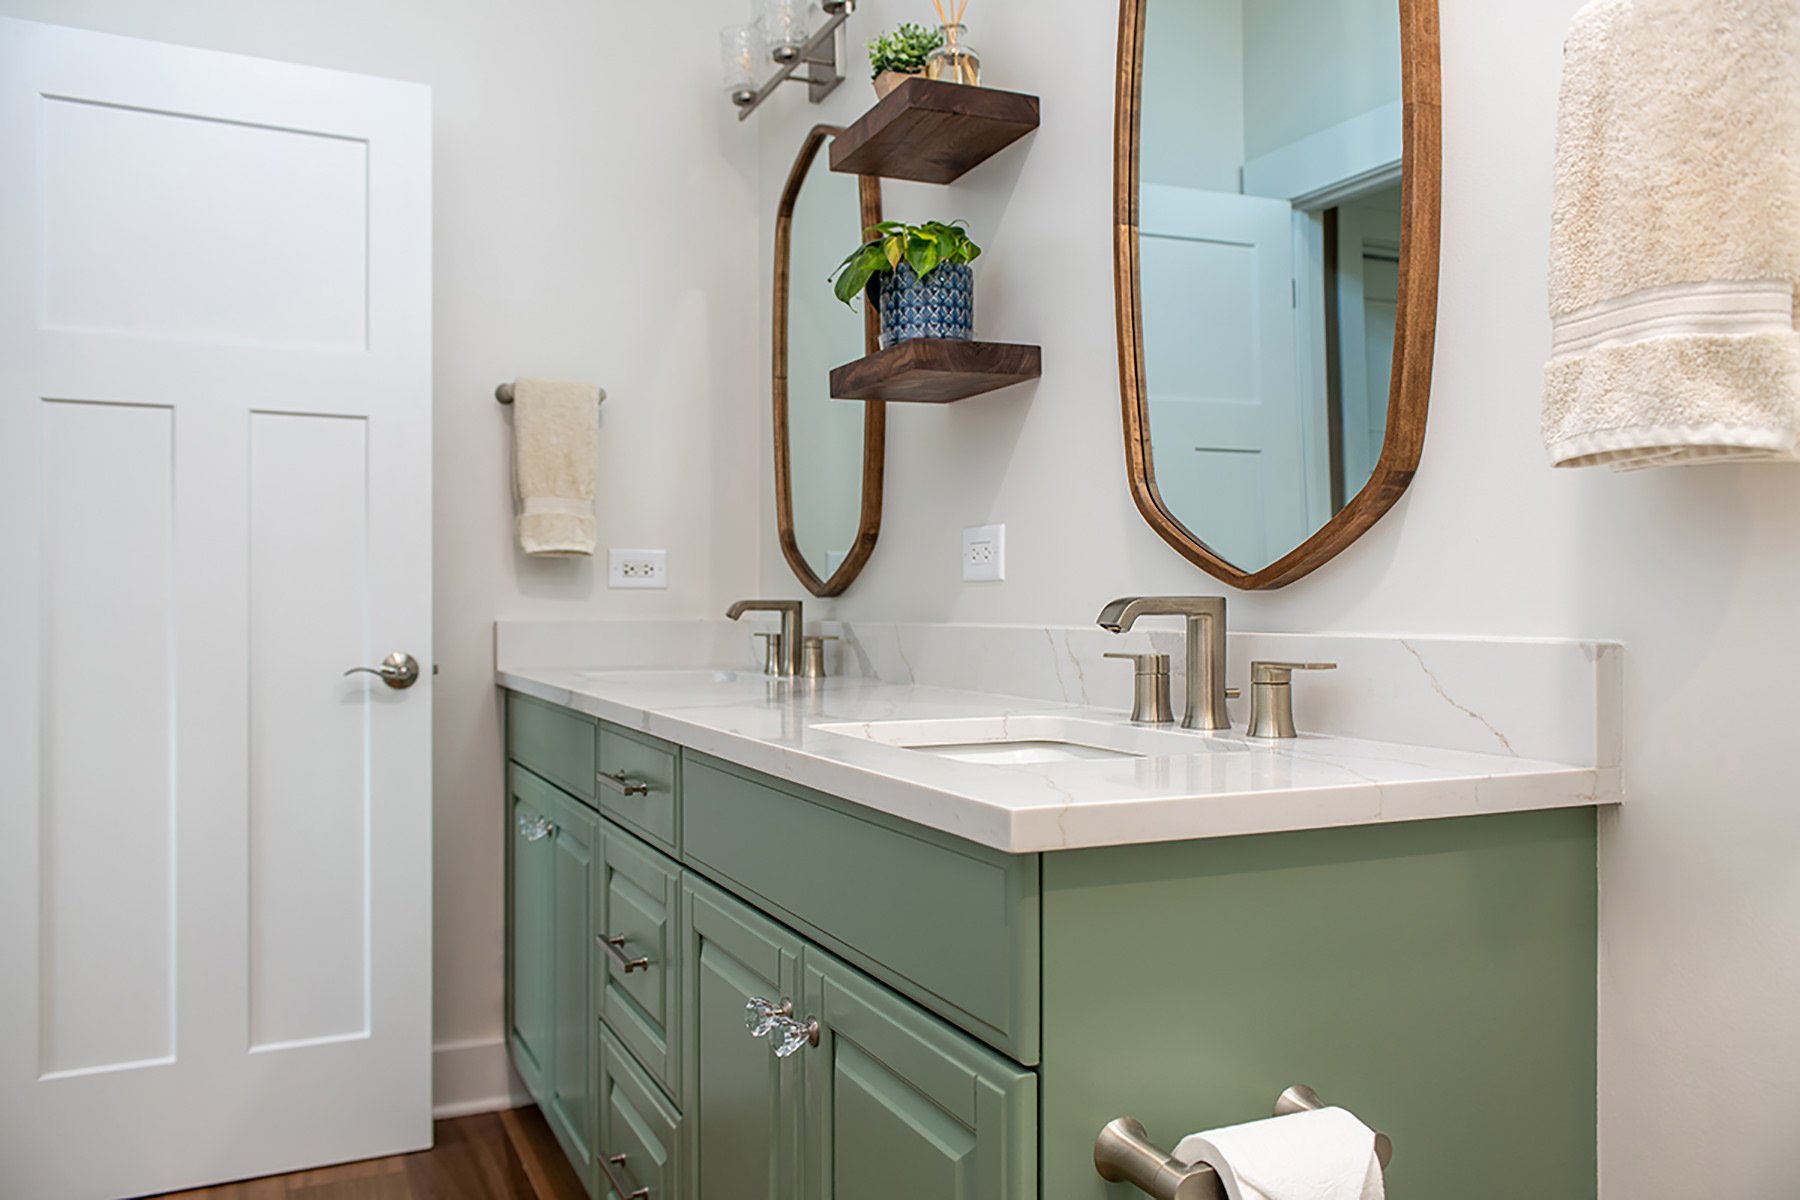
771	652
1272	697
812	656
1150	703
1283	672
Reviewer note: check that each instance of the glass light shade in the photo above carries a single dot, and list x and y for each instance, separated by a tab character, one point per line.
742	53
784	26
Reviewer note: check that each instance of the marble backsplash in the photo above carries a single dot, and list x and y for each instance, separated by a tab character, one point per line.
1555	700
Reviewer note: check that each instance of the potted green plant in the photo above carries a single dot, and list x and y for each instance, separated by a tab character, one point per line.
900	54
918	277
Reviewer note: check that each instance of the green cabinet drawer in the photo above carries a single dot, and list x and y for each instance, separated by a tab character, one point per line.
639	1142
638	785
638	941
742	1103
949	923
552	742
901	1106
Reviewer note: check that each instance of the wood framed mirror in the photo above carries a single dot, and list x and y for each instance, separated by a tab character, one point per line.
1276	191
829	454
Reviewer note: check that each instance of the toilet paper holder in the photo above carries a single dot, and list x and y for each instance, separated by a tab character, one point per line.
1123	1153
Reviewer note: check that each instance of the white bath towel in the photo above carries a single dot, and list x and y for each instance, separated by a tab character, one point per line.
556	448
1675	248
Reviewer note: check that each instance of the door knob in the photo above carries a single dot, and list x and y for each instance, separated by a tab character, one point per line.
398	670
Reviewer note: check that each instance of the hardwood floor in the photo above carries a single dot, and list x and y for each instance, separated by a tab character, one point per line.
508	1155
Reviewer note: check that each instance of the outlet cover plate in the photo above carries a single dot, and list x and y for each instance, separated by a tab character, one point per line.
984	554
637	569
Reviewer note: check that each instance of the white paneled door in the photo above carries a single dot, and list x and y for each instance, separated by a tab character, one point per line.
215	498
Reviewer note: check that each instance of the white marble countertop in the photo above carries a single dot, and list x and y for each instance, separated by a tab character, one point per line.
1230	786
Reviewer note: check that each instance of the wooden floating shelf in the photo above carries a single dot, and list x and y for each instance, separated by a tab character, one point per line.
932	132
936	371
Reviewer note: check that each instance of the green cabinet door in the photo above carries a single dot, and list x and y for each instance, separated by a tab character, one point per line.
529	929
900	1106
569	1107
741	1111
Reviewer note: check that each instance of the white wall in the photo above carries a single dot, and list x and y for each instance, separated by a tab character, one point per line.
1696	571
1309	66
593	207
1193	115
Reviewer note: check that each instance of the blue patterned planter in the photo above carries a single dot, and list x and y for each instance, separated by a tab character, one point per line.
942	305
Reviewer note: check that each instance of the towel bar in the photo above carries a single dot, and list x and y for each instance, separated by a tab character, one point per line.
504	393
1123	1153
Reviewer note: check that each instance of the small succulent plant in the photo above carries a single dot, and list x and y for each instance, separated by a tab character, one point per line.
903	50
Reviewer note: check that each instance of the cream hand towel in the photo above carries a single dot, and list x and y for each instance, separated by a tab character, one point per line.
1326	1154
556	445
1675	248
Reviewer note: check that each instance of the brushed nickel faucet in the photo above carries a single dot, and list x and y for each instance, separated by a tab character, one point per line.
784	647
1205	648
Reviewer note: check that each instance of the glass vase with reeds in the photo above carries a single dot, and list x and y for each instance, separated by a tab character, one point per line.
955	61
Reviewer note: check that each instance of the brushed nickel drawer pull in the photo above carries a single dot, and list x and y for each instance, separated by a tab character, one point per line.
618	1185
622	784
614	945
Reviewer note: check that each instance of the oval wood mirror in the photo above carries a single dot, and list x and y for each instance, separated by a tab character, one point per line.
1276	184
829	454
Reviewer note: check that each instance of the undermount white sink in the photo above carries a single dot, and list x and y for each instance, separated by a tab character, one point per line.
1016	741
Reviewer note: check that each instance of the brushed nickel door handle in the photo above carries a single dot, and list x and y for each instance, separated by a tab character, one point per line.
398	670
614	945
617	1184
620	783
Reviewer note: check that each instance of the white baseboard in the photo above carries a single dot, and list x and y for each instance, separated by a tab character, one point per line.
473	1077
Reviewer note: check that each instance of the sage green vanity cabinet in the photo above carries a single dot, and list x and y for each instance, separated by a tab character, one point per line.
981	1015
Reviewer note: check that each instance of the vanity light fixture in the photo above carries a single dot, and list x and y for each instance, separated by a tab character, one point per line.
779	37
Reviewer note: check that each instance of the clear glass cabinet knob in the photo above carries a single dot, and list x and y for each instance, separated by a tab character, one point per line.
761	1016
791	1036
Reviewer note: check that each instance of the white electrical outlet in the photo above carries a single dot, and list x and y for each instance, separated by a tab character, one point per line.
637	569
984	553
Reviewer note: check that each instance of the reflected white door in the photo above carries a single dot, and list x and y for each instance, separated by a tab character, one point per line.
215	847
1217	273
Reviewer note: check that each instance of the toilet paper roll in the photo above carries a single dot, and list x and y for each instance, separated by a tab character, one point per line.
1326	1154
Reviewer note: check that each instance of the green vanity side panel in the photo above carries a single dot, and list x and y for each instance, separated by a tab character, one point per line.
1437	978
949	923
900	1106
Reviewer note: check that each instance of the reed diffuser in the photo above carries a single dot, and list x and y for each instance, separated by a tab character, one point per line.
955	61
